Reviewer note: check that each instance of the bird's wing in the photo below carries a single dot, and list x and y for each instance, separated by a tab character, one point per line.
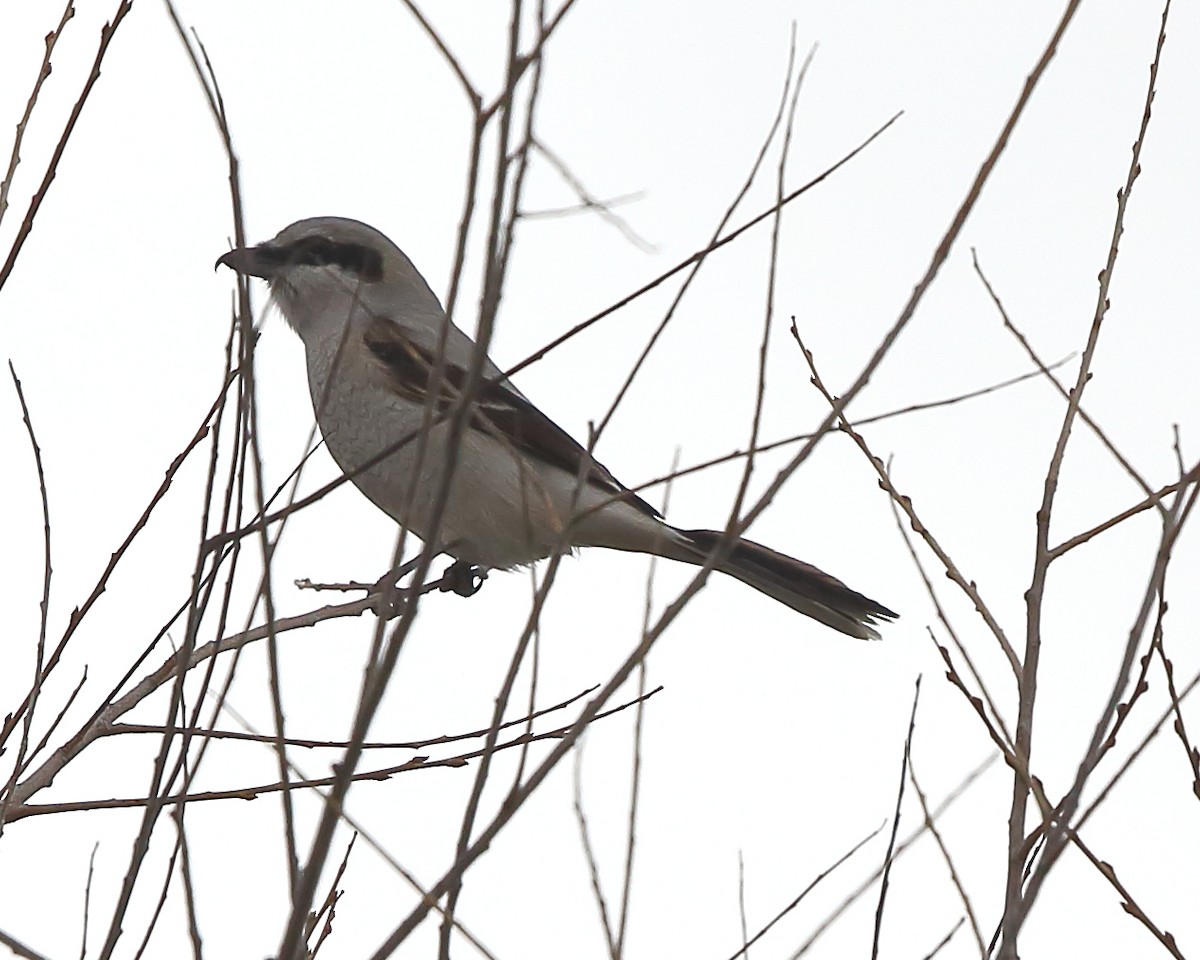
408	369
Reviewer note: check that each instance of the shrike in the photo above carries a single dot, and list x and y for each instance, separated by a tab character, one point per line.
371	326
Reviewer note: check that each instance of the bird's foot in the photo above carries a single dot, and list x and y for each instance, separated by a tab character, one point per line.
463	578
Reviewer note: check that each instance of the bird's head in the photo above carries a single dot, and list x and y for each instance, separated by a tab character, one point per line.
322	267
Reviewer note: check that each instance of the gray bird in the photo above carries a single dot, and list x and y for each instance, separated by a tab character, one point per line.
370	326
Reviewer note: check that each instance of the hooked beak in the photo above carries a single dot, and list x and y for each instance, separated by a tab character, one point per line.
250	261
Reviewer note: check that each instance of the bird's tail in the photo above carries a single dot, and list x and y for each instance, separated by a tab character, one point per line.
799	585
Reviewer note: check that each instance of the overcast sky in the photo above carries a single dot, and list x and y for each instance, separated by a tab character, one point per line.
773	737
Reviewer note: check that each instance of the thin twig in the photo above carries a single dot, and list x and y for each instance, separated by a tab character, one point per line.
561	734
1128	903
506	195
944	941
1017	900
106	34
78	614
23	124
517	798
118	729
1063	392
1190	751
329	907
949	860
889	857
635	774
700	254
87	901
743	952
589	852
452	61
587	203
995	720
189	889
1138	751
19	949
229	536
678	472
40	656
969	587
901	848
760	391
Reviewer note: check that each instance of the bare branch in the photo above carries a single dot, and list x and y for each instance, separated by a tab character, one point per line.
812	885
1018	902
891	849
949	860
35	203
699	255
35	690
43	72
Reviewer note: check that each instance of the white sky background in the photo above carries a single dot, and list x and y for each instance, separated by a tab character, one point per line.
774	736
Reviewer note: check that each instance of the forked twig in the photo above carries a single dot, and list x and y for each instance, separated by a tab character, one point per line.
35	690
1019	898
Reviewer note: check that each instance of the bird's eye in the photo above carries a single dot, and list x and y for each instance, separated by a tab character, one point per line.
362	261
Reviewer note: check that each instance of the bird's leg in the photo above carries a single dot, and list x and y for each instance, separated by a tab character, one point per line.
463	578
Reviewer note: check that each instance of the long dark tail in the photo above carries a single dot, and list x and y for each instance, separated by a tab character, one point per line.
799	585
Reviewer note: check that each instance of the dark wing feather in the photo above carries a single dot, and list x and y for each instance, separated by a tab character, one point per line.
410	368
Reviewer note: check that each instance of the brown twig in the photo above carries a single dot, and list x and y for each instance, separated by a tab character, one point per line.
995	721
43	73
1138	751
185	880
19	949
677	472
102	721
54	724
889	857
1017	900
164	891
743	953
329	907
507	190
1128	903
760	391
35	689
87	901
944	850
517	798
1190	751
472	94
78	614
589	853
1154	500
562	734
228	536
118	729
1062	391
905	503
901	848
699	255
106	34
945	940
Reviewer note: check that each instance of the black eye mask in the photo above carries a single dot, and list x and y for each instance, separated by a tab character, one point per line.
363	262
